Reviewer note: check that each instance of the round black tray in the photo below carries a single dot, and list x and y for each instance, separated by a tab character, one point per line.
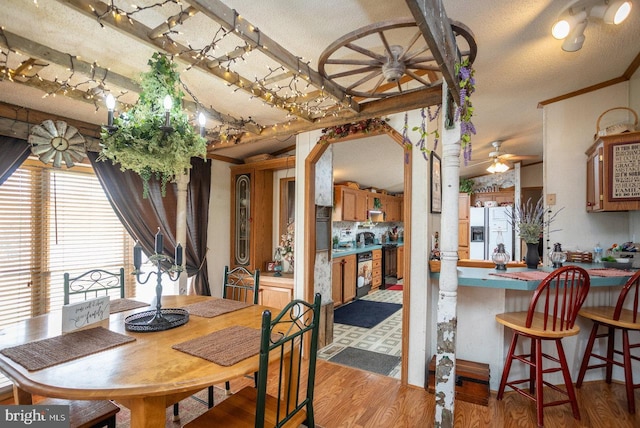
148	321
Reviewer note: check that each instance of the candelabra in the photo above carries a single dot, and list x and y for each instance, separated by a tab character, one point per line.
160	319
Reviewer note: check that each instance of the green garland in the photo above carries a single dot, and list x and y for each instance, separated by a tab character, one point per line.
139	144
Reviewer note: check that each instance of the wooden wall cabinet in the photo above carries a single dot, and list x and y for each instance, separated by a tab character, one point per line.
251	217
503	197
613	178
350	204
393	208
463	225
343	279
376	272
400	262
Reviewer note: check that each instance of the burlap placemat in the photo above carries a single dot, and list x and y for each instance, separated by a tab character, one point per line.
533	275
121	305
609	272
60	349
213	308
224	347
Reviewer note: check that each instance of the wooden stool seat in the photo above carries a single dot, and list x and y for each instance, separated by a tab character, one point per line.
87	413
550	317
625	318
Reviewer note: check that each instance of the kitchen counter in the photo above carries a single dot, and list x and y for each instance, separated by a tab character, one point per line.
354	250
481	338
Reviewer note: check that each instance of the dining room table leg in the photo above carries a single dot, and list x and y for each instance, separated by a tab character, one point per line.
20	396
146	412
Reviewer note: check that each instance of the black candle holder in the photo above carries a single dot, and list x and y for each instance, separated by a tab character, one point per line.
160	319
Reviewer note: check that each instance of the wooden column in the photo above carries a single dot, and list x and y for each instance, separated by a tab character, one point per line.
448	293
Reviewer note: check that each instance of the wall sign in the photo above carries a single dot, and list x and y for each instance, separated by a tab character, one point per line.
78	315
625	171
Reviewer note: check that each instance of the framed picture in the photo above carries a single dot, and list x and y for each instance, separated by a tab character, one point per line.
436	184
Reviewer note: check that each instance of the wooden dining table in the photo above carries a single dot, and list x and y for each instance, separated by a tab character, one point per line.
146	375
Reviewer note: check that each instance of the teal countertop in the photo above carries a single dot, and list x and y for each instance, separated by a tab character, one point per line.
354	250
481	277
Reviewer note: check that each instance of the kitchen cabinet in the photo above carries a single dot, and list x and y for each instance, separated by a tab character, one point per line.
613	183
275	291
349	204
251	217
376	271
390	260
400	263
392	209
463	225
343	279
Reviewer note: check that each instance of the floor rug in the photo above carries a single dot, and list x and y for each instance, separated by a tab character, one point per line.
366	360
396	287
364	313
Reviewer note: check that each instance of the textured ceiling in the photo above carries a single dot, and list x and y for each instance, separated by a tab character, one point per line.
518	63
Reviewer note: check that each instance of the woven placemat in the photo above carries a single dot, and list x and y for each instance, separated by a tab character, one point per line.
213	308
609	272
121	305
533	275
60	349
224	347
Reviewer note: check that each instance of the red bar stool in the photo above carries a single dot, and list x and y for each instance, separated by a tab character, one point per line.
624	317
551	316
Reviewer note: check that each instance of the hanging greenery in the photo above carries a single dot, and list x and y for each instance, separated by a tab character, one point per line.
138	141
467	84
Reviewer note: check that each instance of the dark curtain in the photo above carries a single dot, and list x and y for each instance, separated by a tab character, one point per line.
14	152
142	217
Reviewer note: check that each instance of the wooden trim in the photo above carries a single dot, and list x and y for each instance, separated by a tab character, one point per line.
270	164
310	228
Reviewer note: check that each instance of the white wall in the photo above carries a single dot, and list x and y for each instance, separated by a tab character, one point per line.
568	131
531	176
218	232
634	103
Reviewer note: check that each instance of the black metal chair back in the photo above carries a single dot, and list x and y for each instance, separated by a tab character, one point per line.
241	285
286	334
93	283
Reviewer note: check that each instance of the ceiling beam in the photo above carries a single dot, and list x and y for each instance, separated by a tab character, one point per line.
230	20
379	108
141	32
436	29
34	49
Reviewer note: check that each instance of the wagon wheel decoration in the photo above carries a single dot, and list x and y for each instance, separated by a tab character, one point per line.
55	142
388	58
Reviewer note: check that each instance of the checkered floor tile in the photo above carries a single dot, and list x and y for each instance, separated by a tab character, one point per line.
385	338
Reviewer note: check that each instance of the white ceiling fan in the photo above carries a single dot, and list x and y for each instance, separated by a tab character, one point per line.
501	162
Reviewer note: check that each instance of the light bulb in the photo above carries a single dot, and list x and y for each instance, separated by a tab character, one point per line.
622	13
201	119
168	102
111	102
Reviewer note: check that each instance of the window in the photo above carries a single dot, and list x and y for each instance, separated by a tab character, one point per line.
54	221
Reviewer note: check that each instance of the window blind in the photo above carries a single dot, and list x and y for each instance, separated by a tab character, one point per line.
54	221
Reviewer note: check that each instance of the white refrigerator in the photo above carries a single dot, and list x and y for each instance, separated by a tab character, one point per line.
490	226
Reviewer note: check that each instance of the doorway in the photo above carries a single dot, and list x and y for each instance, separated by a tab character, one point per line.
310	256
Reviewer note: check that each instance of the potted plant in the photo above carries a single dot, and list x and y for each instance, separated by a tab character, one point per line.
466	185
529	221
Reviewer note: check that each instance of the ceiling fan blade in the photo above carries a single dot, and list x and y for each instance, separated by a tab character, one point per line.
480	163
514	157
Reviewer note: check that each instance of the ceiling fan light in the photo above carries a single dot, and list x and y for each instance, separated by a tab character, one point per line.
498	166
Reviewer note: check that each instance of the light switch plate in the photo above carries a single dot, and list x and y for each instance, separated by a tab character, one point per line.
551	199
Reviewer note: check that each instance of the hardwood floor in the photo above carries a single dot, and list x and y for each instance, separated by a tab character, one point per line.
347	397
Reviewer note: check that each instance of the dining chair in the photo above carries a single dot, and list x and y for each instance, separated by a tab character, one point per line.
624	316
87	413
551	316
237	284
93	283
294	330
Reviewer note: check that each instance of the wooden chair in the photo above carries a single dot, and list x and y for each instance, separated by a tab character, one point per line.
93	283
551	316
292	405
241	285
87	413
624	316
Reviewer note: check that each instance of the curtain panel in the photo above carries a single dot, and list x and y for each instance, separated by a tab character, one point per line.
142	217
14	152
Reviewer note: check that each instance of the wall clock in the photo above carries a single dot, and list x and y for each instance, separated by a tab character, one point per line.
56	142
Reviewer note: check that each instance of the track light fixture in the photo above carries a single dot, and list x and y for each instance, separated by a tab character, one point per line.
572	23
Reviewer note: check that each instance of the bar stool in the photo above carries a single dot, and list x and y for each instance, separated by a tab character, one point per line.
624	317
551	316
